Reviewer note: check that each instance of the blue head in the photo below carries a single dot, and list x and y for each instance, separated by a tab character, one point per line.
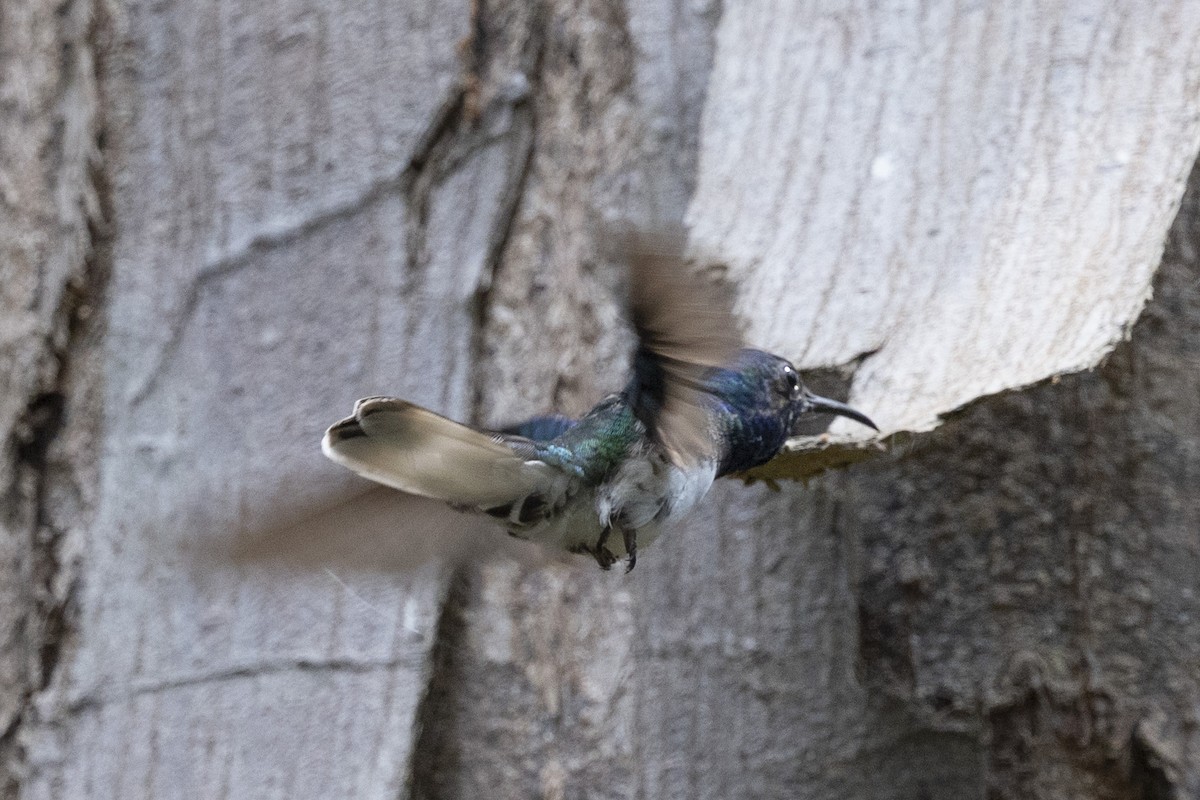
761	401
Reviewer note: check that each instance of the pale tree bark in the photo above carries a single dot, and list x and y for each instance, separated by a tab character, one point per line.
302	204
53	207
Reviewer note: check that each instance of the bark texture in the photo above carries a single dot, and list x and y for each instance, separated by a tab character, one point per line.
53	267
878	179
1058	528
303	204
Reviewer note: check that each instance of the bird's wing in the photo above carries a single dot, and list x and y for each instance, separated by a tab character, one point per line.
360	528
402	445
685	327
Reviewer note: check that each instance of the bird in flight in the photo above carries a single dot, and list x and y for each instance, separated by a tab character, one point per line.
698	406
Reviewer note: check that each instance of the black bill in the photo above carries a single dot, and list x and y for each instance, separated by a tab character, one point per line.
823	405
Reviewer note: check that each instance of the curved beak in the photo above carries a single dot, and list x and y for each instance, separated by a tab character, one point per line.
823	405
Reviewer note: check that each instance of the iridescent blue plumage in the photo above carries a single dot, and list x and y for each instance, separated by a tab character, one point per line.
695	408
542	428
754	410
751	407
747	409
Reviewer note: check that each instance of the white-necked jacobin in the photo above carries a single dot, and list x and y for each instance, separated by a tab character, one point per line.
698	406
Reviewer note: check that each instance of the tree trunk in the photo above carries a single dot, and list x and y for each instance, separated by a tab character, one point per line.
947	210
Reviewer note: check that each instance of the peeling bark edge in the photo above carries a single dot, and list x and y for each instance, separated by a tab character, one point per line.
1086	712
67	403
805	457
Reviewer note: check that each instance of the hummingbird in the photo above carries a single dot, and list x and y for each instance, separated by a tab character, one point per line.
698	406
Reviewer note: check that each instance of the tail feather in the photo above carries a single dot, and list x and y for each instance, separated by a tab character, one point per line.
402	445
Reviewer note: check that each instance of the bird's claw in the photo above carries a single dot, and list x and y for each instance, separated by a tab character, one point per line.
604	557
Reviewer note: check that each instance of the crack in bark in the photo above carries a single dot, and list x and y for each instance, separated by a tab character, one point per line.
1154	764
564	166
433	751
73	331
509	207
266	241
434	157
430	749
43	422
97	699
467	131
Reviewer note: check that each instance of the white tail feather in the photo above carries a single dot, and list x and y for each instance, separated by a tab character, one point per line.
398	444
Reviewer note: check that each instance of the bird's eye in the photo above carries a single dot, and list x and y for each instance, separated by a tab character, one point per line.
791	382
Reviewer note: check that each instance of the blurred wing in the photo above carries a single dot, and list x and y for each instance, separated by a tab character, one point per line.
371	529
410	448
679	316
685	326
358	527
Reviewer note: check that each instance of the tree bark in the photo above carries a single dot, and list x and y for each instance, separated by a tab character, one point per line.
282	209
53	269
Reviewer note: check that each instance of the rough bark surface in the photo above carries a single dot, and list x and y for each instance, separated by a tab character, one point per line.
1028	576
273	257
52	273
314	202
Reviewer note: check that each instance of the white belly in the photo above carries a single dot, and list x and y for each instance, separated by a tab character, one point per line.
642	495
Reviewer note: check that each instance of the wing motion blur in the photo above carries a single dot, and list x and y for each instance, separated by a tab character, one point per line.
685	326
365	528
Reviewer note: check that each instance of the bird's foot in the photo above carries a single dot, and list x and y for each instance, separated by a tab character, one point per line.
604	557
